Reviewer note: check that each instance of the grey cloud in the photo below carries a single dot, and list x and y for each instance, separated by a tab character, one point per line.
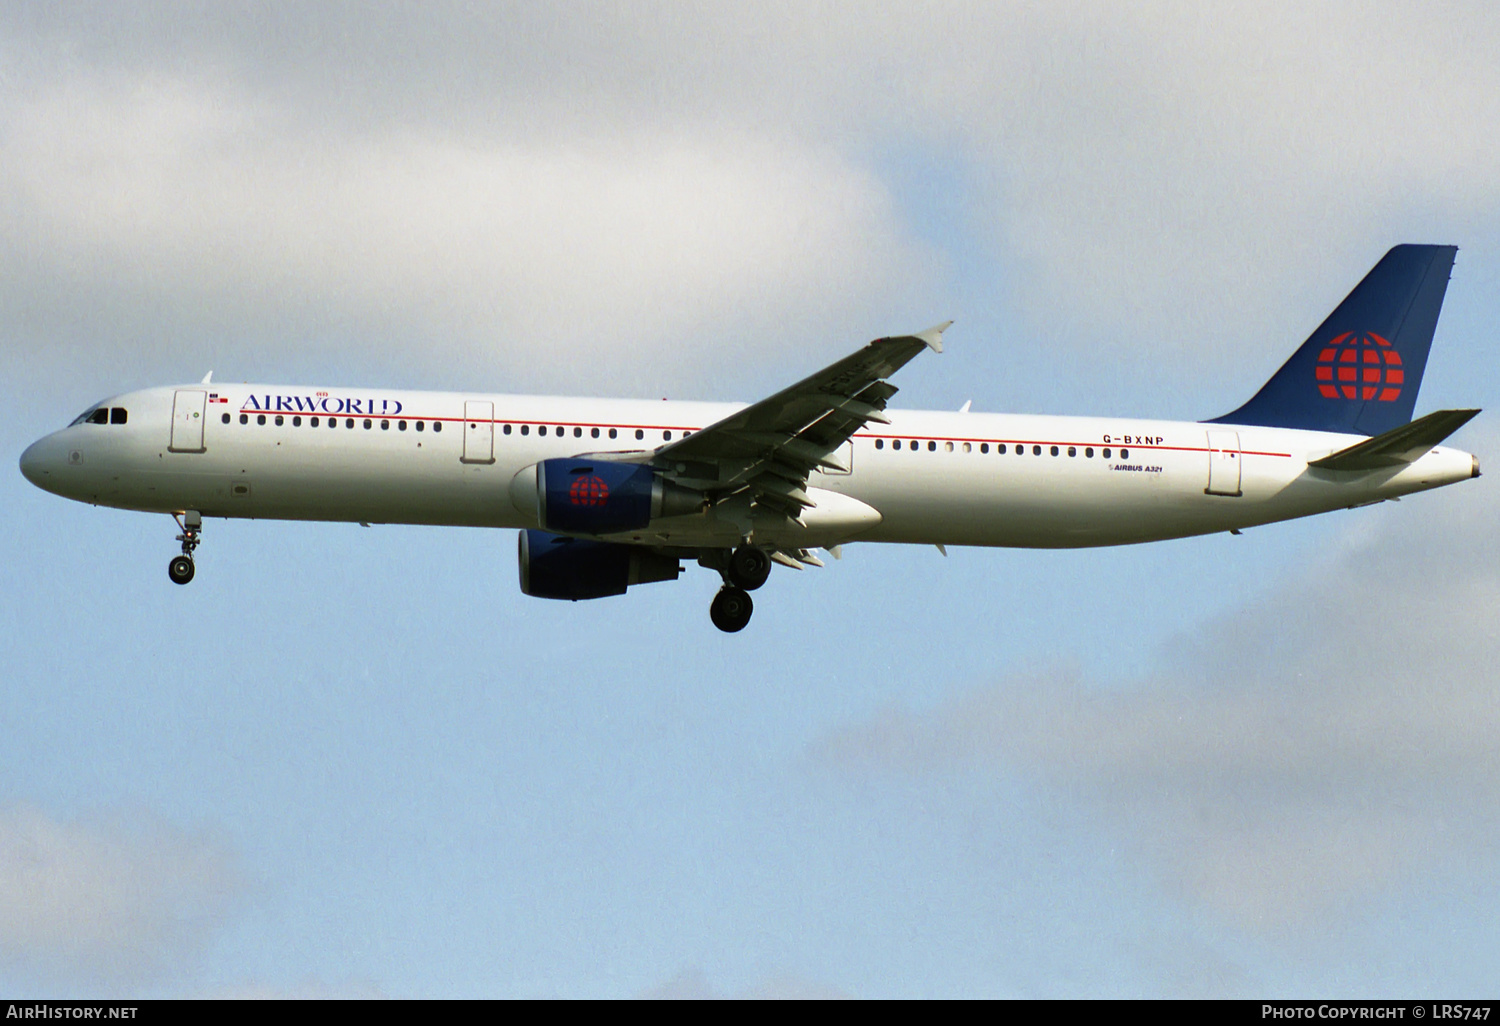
1190	180
106	899
1302	753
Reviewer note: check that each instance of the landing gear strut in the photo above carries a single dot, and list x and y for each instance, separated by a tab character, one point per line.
731	609
180	569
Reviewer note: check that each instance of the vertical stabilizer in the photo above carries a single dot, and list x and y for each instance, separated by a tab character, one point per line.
1360	371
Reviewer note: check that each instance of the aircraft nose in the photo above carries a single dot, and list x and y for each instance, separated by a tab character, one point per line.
39	461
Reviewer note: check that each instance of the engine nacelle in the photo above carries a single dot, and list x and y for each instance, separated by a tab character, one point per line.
556	567
577	496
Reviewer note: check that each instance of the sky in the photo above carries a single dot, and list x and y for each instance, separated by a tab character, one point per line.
352	762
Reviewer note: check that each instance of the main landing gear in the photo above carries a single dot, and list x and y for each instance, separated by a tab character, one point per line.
748	567
745	570
731	609
191	526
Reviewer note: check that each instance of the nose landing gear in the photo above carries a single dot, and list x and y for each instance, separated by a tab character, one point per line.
190	523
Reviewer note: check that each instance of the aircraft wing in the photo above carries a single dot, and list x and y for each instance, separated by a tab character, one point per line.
770	447
1405	444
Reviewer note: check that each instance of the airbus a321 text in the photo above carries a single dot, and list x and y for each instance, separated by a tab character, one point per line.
609	493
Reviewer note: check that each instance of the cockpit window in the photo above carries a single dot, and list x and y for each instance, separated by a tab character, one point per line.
101	415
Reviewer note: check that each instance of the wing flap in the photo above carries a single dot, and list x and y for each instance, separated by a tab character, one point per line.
770	448
821	411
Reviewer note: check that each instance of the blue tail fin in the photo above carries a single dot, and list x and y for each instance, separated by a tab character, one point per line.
1360	371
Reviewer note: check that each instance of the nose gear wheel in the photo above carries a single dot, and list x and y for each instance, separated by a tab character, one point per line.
190	523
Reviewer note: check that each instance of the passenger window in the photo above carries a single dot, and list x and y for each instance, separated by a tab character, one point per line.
385	425
1000	449
639	434
542	430
1124	454
593	432
880	443
1054	450
296	422
260	418
578	432
947	446
666	436
1036	450
369	423
932	446
437	425
504	430
896	444
348	422
225	418
401	425
525	429
611	432
984	447
422	426
1106	454
313	423
244	418
280	420
117	415
1089	452
1072	450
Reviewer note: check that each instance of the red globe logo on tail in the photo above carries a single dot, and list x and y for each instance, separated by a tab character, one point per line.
1360	365
588	490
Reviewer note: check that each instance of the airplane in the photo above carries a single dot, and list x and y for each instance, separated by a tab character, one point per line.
612	493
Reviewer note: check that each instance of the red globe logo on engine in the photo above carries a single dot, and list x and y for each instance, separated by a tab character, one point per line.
1360	365
588	490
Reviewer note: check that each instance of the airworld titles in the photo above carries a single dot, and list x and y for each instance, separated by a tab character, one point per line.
322	403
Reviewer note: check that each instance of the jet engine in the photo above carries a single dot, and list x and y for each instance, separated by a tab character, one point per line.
580	496
557	567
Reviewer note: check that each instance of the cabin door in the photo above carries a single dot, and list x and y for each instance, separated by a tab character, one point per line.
187	420
1223	463
479	432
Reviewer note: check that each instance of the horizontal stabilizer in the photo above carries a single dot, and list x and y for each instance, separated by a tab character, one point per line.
1405	444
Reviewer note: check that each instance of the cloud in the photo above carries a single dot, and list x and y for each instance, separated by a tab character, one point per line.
578	188
570	251
1294	759
105	899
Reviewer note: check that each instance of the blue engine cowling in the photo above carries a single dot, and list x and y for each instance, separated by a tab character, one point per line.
556	567
577	496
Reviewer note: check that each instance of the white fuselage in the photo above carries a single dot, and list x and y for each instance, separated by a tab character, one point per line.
933	477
